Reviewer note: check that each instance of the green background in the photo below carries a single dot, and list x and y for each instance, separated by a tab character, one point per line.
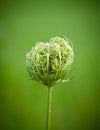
23	102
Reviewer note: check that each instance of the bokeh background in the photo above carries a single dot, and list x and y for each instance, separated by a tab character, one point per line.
23	102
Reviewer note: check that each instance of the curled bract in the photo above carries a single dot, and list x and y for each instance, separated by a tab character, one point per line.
50	62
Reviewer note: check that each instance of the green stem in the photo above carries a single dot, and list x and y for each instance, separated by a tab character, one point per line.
49	108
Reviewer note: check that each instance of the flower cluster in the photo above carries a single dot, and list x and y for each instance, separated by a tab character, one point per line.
50	62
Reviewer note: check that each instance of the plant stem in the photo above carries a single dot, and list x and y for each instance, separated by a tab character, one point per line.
49	108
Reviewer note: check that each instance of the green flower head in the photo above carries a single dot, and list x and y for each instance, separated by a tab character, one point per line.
50	62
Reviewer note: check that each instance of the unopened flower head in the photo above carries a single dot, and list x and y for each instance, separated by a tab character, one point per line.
50	62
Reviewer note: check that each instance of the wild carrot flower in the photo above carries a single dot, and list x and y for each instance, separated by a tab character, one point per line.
50	62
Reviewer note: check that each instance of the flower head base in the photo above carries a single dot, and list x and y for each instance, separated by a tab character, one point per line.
50	62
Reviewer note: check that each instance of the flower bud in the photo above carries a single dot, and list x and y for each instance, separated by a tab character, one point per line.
50	62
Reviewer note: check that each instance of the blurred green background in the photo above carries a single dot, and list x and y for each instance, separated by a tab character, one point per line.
23	102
